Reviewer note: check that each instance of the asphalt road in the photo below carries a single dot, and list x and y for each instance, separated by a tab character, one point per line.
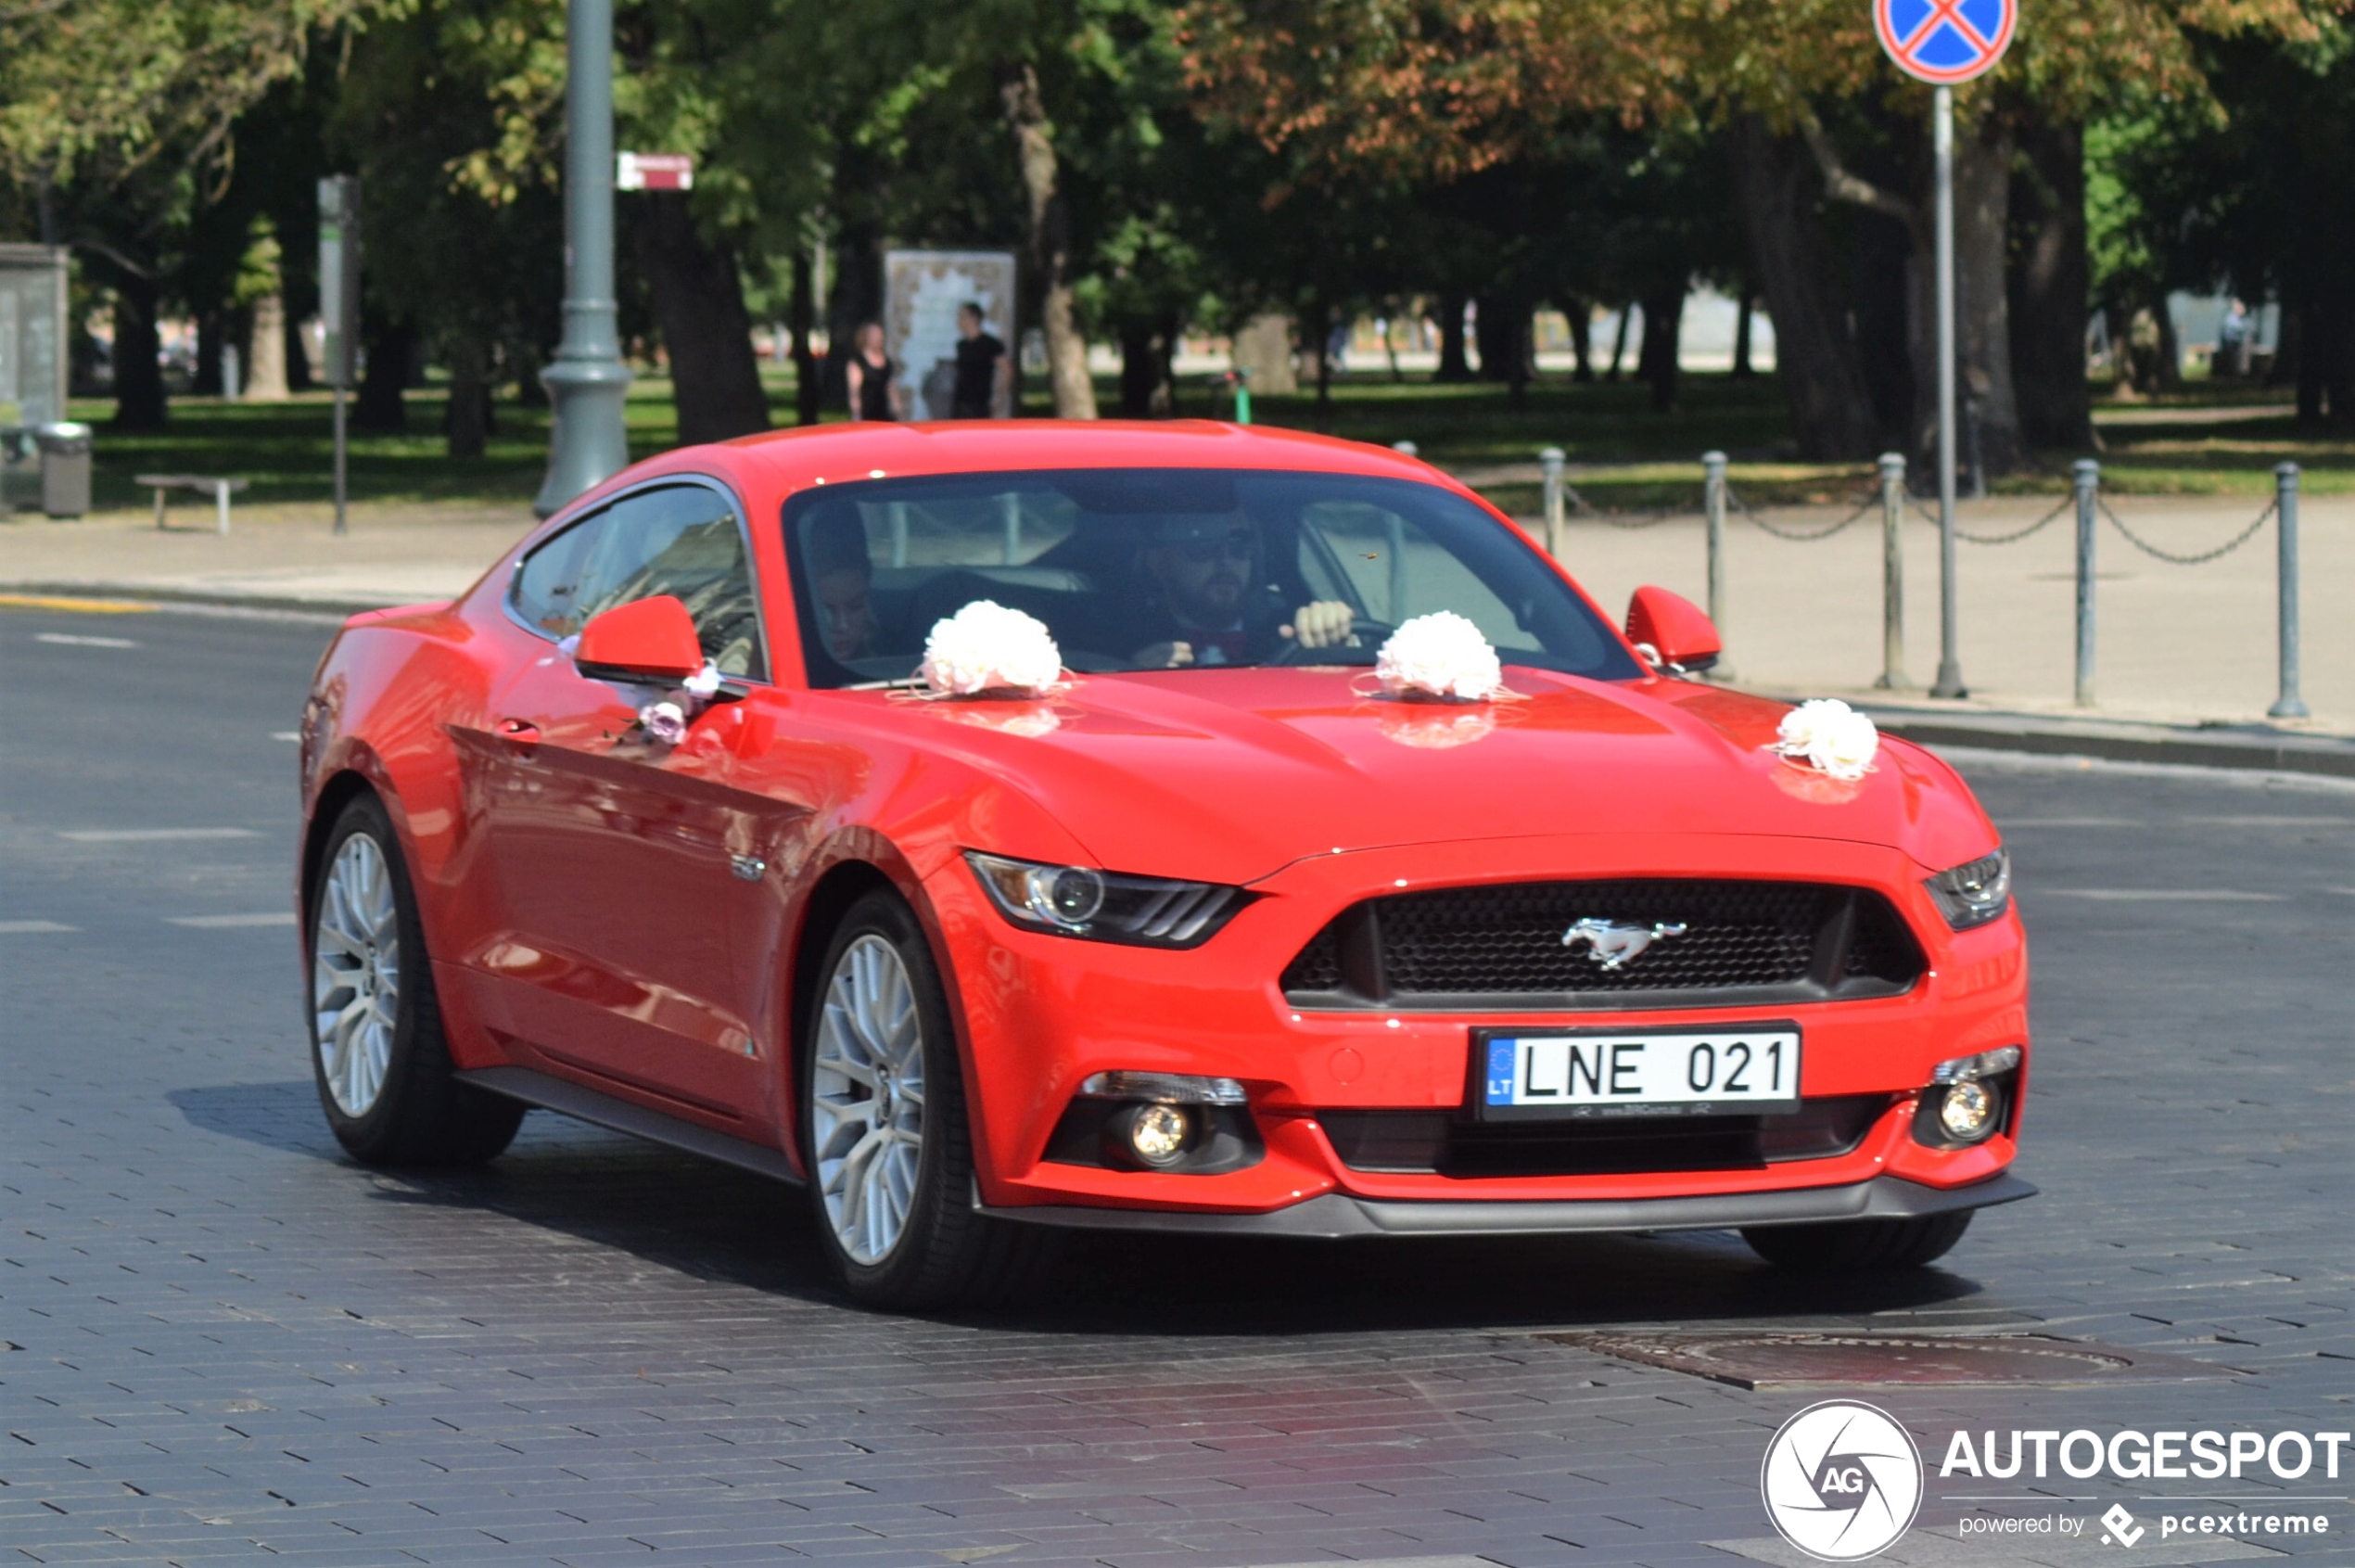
224	1340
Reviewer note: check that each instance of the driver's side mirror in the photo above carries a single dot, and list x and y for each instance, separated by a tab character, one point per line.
1674	630
645	640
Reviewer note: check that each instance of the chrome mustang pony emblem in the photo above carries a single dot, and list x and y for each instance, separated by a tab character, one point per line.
1615	945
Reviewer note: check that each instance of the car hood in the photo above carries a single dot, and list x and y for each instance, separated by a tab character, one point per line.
1230	775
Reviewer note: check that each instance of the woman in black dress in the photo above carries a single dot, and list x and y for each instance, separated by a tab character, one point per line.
875	392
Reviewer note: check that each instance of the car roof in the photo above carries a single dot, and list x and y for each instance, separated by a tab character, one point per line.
836	452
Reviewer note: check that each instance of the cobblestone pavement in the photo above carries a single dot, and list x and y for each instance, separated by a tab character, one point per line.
223	1341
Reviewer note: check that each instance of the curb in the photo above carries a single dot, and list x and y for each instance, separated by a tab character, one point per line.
2259	747
200	602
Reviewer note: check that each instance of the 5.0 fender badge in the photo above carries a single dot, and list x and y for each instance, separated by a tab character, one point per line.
1614	945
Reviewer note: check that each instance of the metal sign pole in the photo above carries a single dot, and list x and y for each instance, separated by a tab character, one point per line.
1950	662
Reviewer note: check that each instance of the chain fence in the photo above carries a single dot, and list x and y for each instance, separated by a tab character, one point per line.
1719	499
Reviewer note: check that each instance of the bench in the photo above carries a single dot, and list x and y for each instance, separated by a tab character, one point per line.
218	487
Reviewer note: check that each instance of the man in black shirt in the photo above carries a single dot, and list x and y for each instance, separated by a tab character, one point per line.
985	375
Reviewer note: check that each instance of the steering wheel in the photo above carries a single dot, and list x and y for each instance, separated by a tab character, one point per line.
1364	635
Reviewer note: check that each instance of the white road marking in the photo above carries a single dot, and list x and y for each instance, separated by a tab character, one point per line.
30	927
2010	823
2274	821
286	734
232	922
151	834
69	640
2162	895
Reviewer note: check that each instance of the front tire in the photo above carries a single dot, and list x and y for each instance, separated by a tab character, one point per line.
885	1133
378	1053
1859	1246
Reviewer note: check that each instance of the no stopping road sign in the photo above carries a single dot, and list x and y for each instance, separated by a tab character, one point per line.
1944	42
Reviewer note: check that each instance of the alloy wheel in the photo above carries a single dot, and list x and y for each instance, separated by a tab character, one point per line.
867	1100
355	974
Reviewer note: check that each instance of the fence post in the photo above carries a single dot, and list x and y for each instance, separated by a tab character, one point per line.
1553	458
2089	482
1712	466
2290	705
1893	573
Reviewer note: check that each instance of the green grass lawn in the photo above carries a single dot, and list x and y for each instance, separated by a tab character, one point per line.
1635	459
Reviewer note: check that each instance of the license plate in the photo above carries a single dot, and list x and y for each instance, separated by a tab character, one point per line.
1751	1069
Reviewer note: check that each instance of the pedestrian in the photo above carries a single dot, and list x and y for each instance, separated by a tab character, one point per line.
875	392
985	374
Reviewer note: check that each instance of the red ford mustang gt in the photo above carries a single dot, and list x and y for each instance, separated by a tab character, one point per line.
1213	937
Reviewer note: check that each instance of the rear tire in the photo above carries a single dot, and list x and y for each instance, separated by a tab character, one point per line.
883	1129
378	1051
1859	1246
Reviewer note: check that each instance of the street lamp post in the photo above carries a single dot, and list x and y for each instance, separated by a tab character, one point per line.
588	381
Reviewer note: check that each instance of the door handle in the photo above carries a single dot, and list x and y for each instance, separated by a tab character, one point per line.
519	732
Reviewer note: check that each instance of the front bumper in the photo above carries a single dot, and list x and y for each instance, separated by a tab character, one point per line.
1042	1013
1340	1217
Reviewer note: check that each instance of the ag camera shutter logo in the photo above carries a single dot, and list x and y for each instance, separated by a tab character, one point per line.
1842	1481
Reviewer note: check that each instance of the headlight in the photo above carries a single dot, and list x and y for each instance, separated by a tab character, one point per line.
1103	906
1975	893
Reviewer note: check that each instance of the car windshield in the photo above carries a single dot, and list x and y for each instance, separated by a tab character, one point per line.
1152	569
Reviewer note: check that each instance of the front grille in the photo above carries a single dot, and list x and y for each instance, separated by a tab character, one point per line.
1445	1143
1501	948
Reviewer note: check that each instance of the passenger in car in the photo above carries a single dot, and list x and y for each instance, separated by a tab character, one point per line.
1205	604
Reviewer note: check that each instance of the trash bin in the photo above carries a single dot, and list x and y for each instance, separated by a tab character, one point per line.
65	468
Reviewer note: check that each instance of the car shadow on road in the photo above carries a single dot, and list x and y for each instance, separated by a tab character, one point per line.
715	1223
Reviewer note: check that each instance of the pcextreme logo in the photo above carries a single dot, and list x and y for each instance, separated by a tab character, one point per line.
1842	1481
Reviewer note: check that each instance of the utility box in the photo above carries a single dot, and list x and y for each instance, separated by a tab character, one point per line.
32	365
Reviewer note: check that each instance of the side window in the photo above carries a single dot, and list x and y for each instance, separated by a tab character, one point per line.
680	539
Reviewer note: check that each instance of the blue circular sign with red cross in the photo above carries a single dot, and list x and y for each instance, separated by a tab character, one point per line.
1944	42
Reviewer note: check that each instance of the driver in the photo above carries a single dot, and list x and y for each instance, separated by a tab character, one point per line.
1207	607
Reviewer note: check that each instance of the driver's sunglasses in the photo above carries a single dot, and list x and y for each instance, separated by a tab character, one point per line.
1236	544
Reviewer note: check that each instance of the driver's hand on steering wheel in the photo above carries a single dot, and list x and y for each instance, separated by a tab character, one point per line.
1324	624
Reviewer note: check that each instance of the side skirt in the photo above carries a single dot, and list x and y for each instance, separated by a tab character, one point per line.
547	1093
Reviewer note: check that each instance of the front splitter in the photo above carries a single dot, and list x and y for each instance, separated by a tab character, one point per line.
1338	1217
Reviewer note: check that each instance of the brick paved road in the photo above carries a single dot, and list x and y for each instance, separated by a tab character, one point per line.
223	1341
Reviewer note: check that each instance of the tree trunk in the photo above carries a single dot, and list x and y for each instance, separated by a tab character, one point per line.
270	345
139	401
1797	270
1581	314
1453	363
379	409
699	303
1145	390
2049	283
210	325
1492	331
1983	298
1663	322
1742	369
293	360
1050	244
801	312
466	422
1619	340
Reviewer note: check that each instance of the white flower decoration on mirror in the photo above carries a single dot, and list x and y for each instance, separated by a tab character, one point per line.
1441	655
1830	736
985	648
665	723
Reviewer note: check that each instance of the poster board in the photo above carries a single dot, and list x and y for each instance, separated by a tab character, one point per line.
32	335
922	291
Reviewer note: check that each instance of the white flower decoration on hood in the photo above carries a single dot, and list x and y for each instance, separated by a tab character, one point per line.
1830	736
1439	654
987	647
704	682
665	723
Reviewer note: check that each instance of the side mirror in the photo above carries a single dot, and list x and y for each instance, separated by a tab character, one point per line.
646	639
1674	629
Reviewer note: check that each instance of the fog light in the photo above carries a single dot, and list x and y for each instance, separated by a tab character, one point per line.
1969	1109
1157	1134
